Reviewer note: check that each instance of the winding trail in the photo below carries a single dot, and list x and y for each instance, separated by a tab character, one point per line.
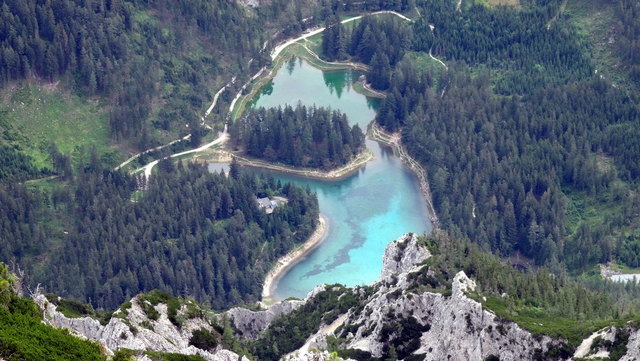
585	346
433	27
215	97
186	137
358	66
356	163
438	60
222	138
312	341
135	156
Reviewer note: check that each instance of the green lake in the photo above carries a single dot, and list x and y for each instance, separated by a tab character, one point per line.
366	210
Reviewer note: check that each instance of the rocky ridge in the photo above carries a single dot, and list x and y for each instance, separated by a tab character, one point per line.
135	330
394	315
438	326
250	324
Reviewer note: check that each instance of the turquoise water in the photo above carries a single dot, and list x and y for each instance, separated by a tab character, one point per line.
365	211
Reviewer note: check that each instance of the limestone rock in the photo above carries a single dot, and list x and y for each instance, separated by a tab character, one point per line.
453	327
311	356
136	331
402	256
251	3
250	324
633	347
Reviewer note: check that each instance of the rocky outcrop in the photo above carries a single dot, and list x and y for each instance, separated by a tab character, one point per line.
431	324
633	347
451	327
250	324
402	256
311	356
251	3
135	330
396	311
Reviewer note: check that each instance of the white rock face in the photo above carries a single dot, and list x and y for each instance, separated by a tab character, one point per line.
250	324
163	337
454	327
633	347
252	3
310	356
402	256
459	329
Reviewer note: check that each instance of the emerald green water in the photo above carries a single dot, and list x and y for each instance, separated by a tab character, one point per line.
365	211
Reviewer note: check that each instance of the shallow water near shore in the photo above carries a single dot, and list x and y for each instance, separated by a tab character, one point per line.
366	210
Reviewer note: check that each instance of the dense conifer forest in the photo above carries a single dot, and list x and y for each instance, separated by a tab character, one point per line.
500	168
518	133
379	43
190	233
302	137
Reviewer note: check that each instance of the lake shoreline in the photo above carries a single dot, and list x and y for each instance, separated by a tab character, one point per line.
347	170
265	75
284	263
394	141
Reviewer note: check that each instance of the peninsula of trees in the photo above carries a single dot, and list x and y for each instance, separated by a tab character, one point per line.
303	136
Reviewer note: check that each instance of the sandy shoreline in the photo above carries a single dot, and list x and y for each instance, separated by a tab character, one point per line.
290	259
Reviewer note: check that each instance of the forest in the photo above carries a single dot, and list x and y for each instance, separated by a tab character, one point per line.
191	233
627	44
379	43
301	136
140	55
154	65
528	152
517	134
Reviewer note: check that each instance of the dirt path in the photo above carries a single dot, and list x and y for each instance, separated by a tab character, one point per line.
438	60
237	97
290	259
186	137
222	138
215	97
323	331
134	157
432	27
358	66
585	347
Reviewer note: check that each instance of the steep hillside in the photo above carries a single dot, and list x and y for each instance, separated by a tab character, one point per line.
417	311
23	336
